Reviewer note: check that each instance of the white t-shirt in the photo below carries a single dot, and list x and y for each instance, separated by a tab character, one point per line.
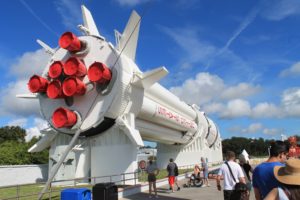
236	171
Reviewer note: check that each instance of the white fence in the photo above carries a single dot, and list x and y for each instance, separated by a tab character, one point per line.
22	174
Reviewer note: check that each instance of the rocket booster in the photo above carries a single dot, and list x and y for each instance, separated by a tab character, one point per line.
92	85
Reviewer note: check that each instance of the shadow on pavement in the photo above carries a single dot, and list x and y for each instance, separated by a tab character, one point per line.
143	196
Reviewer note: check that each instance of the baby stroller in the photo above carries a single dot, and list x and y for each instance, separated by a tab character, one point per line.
194	181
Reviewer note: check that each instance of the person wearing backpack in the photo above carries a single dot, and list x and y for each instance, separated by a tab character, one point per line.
233	175
172	174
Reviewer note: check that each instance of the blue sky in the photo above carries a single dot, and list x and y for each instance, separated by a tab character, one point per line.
238	60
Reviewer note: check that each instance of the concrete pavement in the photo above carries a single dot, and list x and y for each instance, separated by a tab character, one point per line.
192	193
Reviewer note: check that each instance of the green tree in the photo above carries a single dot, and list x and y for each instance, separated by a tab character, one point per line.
12	133
254	147
14	149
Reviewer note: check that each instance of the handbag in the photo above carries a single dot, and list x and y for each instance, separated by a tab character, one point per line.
241	187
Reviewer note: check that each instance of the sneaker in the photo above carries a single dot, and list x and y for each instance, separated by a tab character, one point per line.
178	188
203	186
208	185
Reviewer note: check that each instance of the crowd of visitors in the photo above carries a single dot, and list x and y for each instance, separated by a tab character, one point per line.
278	178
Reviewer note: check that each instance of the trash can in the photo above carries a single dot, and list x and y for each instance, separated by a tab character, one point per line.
105	191
75	194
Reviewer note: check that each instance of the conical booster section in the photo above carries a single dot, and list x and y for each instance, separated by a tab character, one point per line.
37	84
69	41
55	70
99	72
74	67
73	86
63	117
54	90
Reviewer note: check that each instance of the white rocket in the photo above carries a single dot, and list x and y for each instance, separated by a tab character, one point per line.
90	85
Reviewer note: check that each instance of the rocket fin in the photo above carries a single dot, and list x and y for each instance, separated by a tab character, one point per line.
127	42
48	49
128	126
27	96
45	141
147	79
88	22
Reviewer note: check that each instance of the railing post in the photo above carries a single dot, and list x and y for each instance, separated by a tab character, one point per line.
134	176
50	193
18	192
123	179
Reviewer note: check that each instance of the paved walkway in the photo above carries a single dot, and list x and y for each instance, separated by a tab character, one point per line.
192	193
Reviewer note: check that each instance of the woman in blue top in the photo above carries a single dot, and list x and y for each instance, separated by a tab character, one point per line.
289	177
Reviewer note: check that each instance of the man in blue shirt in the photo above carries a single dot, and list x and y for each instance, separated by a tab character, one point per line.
263	177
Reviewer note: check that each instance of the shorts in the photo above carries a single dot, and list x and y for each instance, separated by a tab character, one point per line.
171	180
151	178
205	174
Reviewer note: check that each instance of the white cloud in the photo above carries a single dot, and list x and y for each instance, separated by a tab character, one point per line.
280	9
236	108
30	63
207	87
131	2
23	68
39	124
272	131
291	102
294	70
264	110
252	128
197	51
213	108
18	122
240	90
11	105
202	89
70	12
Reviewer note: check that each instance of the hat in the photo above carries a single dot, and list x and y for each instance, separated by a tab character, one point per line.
290	173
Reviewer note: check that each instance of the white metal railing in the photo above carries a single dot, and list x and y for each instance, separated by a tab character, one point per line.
133	176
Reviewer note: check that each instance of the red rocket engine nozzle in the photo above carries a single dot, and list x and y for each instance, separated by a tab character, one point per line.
74	67
99	72
54	90
37	84
63	117
55	70
73	86
70	41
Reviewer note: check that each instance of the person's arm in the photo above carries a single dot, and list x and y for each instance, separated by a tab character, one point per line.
257	193
218	179
273	195
242	180
241	175
219	182
157	172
